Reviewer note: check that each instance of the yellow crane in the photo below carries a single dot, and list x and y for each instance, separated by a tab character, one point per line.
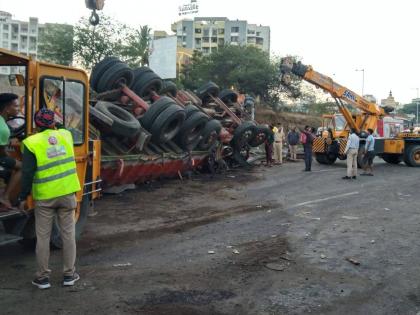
330	145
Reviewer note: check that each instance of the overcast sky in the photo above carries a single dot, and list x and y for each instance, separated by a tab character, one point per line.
334	36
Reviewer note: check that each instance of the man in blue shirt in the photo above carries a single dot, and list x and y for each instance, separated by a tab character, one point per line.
369	154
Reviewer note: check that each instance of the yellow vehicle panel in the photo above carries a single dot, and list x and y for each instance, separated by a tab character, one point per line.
395	146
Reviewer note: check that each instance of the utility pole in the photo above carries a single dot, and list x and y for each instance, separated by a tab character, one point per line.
363	79
417	106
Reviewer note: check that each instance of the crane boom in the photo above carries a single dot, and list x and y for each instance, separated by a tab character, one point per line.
370	111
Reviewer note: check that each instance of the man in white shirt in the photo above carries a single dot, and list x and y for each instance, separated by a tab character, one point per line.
352	149
369	154
278	144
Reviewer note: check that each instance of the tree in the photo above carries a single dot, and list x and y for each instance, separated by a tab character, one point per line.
410	108
56	43
136	51
92	44
245	68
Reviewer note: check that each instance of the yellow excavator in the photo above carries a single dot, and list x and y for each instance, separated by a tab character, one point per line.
330	144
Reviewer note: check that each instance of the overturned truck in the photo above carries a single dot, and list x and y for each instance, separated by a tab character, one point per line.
150	129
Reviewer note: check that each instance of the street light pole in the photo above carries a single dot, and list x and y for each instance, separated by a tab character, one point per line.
363	79
417	106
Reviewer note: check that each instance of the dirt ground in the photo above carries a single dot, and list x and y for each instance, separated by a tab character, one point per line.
265	241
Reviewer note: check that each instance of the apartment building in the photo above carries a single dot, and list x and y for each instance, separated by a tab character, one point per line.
209	33
18	36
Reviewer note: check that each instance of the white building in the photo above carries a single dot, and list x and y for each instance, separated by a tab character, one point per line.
18	36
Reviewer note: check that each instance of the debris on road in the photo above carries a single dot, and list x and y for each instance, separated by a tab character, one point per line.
323	256
235	251
372	241
387	209
275	266
122	265
305	215
353	261
259	206
348	217
211	252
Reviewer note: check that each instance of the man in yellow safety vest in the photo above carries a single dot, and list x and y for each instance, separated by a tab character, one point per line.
49	170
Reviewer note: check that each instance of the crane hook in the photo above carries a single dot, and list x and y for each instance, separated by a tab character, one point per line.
94	18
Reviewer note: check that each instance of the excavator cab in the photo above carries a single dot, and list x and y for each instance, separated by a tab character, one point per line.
66	91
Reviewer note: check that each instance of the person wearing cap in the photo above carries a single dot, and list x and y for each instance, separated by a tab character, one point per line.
49	170
11	168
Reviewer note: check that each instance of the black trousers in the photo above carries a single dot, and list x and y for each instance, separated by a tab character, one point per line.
308	158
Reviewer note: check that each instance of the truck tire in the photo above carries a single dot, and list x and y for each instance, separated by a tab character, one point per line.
204	91
114	76
145	83
100	68
412	155
191	130
124	123
169	88
81	219
325	159
392	158
167	124
191	109
209	135
228	96
139	72
243	134
154	110
261	134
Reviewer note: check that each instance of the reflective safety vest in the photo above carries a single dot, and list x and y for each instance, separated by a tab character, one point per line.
56	173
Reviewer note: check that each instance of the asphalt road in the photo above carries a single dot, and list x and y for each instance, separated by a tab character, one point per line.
266	241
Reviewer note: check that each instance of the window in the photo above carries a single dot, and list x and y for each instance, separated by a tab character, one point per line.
221	31
234	39
214	39
234	29
206	32
206	50
6	27
198	30
206	40
340	123
69	113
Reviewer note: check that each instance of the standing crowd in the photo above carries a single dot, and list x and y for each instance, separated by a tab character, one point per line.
277	138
